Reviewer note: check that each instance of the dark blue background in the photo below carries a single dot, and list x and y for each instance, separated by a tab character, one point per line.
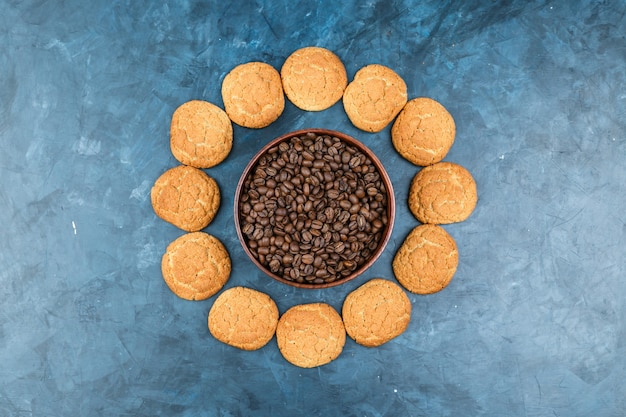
533	324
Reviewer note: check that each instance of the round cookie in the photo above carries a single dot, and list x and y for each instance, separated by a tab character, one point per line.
253	95
185	197
374	97
423	132
427	260
201	134
442	193
313	78
376	312
310	335
195	266
243	318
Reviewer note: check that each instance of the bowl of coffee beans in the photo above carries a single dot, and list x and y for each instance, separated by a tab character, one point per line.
314	208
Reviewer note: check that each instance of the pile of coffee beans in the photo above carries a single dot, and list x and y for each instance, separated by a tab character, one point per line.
313	209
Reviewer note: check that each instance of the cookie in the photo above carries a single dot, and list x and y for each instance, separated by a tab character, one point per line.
201	134
374	97
185	197
313	78
427	260
423	132
243	318
442	193
376	312
195	266
310	335
253	95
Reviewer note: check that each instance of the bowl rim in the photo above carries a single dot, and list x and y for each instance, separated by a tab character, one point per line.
391	205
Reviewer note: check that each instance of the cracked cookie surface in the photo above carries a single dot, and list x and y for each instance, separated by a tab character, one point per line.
310	335
427	260
313	78
243	318
253	95
186	197
195	266
201	134
442	193
423	132
374	97
376	312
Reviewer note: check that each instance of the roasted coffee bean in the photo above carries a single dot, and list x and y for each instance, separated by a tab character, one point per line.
344	204
339	247
354	162
307	259
313	209
274	265
247	228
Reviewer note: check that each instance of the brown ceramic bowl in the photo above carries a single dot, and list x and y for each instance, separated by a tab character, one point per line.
370	247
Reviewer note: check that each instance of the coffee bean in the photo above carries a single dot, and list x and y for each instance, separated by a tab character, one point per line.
339	247
344	204
274	265
354	162
333	193
247	228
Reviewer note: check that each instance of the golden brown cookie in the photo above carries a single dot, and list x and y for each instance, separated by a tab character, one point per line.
442	193
427	260
376	312
186	197
195	266
314	78
310	335
374	97
243	318
201	134
424	131
253	94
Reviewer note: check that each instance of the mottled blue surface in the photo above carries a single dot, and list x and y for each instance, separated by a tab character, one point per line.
533	324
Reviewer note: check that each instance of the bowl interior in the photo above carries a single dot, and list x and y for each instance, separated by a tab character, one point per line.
385	231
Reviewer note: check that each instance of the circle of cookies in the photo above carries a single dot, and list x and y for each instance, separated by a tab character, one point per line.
253	95
376	312
310	335
201	134
185	197
195	266
427	260
313	78
423	132
442	193
374	97
243	318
